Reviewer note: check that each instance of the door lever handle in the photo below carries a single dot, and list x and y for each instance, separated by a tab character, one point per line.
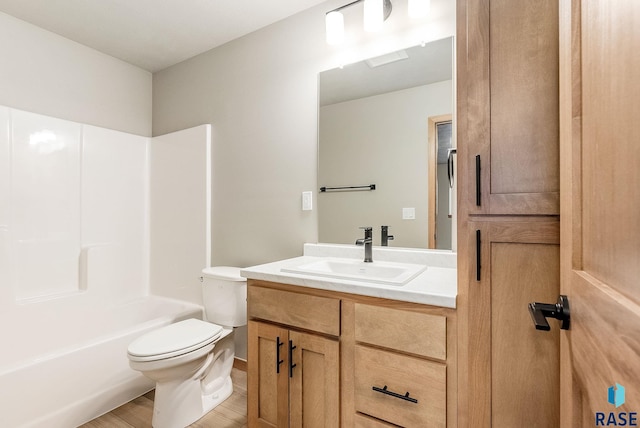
541	311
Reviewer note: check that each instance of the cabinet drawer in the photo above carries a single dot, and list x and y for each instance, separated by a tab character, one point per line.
321	314
412	332
425	381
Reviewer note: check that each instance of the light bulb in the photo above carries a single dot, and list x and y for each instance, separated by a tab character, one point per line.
373	15
335	27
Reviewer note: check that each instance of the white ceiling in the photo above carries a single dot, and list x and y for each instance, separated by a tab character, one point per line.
153	34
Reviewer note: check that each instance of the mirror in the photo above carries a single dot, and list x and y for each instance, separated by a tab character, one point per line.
375	146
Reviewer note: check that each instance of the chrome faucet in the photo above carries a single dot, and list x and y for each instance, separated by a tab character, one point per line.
385	236
367	241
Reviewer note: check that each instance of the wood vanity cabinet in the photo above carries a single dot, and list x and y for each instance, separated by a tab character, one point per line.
293	375
359	361
508	208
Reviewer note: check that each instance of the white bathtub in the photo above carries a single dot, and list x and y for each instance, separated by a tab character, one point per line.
69	364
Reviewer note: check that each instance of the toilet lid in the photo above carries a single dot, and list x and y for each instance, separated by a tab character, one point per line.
175	339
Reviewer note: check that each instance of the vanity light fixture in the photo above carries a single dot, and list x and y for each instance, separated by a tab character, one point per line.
334	21
375	13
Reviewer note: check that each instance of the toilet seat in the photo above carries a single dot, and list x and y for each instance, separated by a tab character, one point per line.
173	340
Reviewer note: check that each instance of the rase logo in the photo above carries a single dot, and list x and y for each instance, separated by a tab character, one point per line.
616	397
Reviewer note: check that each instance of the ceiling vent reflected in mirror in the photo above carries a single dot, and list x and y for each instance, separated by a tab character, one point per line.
387	59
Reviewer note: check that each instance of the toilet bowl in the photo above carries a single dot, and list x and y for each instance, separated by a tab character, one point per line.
191	360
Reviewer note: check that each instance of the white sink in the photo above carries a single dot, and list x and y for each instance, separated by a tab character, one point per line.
356	270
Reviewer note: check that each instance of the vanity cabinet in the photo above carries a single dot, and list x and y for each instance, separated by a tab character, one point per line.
293	376
358	361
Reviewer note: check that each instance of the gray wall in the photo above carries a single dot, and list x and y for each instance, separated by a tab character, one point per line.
45	73
259	93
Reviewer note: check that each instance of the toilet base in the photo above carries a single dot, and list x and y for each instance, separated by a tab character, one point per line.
180	402
211	401
181	405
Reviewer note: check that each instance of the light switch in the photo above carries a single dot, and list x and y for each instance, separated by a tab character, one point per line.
307	201
408	213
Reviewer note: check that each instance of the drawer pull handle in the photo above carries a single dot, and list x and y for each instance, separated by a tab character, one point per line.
384	390
278	360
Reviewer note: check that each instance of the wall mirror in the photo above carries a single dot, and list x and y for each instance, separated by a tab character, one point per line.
384	148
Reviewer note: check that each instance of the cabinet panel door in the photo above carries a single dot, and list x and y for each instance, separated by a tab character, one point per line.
509	81
268	387
315	383
513	368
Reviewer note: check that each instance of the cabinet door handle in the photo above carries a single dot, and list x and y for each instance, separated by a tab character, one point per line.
478	183
291	365
478	254
278	360
384	390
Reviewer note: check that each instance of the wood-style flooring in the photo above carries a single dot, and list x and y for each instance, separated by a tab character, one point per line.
232	413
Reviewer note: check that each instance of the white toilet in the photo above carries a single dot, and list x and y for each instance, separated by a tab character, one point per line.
191	360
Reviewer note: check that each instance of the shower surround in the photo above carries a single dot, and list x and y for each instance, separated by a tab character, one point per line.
75	268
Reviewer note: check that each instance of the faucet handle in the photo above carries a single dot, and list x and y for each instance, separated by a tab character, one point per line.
366	228
385	236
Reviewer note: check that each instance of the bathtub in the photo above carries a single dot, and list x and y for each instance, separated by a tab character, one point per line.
63	364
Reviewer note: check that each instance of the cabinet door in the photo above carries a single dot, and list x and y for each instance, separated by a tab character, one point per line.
513	372
315	381
268	387
508	133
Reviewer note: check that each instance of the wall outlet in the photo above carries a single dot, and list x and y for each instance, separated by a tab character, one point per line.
408	213
307	201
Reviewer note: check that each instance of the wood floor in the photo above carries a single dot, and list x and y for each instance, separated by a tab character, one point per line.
232	413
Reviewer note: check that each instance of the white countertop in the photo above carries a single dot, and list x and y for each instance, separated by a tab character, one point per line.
436	286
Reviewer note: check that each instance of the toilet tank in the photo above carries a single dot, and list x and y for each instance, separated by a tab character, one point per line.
224	293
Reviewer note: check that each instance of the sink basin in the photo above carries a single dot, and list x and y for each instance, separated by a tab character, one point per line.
356	270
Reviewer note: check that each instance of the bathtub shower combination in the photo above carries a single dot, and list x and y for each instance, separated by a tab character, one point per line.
75	269
81	370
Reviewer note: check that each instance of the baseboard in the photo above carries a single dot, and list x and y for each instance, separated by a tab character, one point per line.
240	364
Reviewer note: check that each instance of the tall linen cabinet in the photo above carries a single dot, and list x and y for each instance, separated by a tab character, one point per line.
508	223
